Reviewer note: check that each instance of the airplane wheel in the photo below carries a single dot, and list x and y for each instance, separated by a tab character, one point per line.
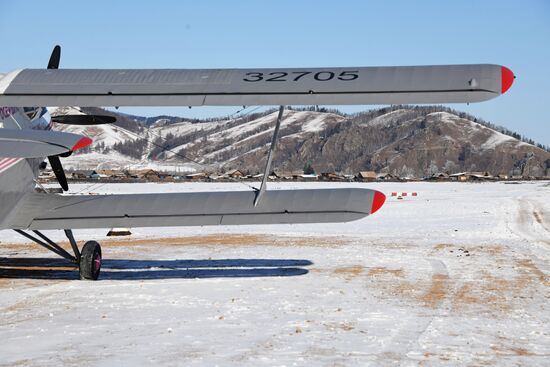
90	261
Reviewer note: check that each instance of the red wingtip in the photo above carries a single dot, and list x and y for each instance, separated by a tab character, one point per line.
83	142
377	201
507	79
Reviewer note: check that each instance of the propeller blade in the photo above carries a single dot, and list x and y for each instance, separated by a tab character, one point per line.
54	58
83	119
57	168
55	162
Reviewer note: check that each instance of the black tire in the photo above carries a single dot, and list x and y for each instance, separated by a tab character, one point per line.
90	261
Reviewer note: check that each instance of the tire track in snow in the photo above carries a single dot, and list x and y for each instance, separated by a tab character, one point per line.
404	345
530	222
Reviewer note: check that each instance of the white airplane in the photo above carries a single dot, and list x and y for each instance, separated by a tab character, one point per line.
26	139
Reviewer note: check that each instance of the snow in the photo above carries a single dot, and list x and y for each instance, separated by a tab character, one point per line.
316	124
387	119
496	139
115	160
107	134
310	121
95	160
457	275
183	128
61	111
236	131
468	127
314	121
445	117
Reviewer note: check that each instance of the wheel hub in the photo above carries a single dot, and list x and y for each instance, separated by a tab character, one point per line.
97	262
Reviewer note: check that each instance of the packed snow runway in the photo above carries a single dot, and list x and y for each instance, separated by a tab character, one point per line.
455	276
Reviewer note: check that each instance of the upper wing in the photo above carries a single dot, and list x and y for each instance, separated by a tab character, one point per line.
16	143
48	211
296	86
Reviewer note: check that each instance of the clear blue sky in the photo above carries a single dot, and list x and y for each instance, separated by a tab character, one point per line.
205	34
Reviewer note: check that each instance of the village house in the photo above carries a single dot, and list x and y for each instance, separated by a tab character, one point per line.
107	172
482	175
112	174
196	176
147	174
291	175
84	174
366	176
46	175
309	177
76	175
471	176
386	177
282	175
234	173
440	176
257	176
331	176
214	177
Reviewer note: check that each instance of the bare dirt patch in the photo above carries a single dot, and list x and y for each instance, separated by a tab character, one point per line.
381	270
538	217
392	284
222	239
529	267
437	292
353	269
481	249
497	295
504	346
344	326
350	272
427	293
490	293
442	246
216	239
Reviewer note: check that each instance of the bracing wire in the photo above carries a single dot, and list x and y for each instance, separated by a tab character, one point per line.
237	114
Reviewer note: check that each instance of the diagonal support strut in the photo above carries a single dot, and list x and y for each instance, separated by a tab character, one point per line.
70	236
48	244
260	192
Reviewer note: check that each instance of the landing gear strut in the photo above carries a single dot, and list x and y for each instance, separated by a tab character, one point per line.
88	261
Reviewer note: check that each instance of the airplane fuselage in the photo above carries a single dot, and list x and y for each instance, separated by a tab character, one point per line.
18	175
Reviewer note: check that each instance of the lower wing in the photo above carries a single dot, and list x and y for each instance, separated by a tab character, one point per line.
49	211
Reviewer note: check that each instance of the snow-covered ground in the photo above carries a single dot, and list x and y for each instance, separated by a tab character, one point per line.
455	276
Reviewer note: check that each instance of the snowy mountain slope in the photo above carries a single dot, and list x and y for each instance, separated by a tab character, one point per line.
107	134
408	141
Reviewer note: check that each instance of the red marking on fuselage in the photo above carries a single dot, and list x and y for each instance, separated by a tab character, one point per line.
7	163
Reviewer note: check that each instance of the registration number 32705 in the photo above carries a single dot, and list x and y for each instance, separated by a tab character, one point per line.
294	76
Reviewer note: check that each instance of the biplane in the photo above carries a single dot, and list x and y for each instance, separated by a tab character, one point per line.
27	139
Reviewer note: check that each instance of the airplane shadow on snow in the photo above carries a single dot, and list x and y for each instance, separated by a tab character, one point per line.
121	269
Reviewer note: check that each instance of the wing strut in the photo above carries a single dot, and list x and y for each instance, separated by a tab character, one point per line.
48	244
260	192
